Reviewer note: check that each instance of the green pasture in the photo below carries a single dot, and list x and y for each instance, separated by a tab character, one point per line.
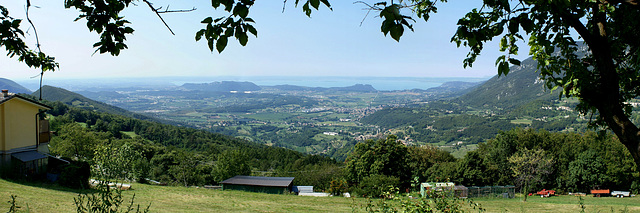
460	151
269	116
129	133
521	121
51	198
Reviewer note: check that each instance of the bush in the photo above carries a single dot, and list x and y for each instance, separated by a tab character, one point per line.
75	175
338	187
378	185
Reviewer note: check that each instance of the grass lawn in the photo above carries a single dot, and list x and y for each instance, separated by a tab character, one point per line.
130	133
49	198
521	121
562	203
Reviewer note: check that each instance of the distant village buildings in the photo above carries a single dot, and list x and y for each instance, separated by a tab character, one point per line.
330	133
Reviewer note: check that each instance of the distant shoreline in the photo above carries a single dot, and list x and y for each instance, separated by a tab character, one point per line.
379	83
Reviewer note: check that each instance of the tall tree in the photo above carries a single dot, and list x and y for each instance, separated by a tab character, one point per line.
530	167
602	71
386	157
231	163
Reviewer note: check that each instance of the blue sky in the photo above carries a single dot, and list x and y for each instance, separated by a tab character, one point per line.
330	43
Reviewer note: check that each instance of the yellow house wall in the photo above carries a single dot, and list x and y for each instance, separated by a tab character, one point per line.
18	125
1	129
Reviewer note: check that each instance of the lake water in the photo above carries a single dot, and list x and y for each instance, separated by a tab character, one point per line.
379	83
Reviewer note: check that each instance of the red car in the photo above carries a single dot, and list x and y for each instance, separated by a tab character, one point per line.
546	193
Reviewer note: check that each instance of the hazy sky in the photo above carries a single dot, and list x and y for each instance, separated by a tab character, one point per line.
330	43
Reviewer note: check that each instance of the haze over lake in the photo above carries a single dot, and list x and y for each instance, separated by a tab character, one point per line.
379	83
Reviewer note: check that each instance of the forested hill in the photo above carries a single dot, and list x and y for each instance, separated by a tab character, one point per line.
12	86
521	86
54	94
519	99
178	155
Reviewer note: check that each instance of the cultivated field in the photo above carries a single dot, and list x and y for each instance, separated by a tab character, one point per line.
47	198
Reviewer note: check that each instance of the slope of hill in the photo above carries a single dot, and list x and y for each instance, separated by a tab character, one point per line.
521	86
51	93
451	89
102	95
455	86
12	86
519	99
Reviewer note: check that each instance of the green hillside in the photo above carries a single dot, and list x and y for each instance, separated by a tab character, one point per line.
53	94
520	87
12	86
519	99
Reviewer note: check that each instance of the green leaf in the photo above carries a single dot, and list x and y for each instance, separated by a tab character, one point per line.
251	29
241	10
215	3
503	44
306	9
396	31
16	23
500	59
513	26
199	34
228	32
242	38
207	20
514	61
503	68
315	3
386	26
210	43
326	3
128	30
221	43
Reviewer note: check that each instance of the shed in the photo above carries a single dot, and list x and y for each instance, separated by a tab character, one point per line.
303	189
271	185
425	188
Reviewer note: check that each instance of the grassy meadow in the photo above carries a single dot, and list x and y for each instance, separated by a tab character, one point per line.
49	198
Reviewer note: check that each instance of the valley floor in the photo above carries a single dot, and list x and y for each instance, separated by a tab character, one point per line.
47	198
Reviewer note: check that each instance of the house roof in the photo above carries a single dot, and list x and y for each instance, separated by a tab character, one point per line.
28	156
259	181
5	99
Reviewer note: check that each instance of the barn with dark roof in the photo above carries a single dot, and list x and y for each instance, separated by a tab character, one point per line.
271	185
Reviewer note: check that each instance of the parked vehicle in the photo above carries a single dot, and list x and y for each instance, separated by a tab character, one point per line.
600	192
620	194
546	193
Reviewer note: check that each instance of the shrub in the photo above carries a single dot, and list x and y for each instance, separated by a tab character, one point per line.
75	175
378	185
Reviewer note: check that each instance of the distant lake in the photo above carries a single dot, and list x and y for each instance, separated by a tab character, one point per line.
379	83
